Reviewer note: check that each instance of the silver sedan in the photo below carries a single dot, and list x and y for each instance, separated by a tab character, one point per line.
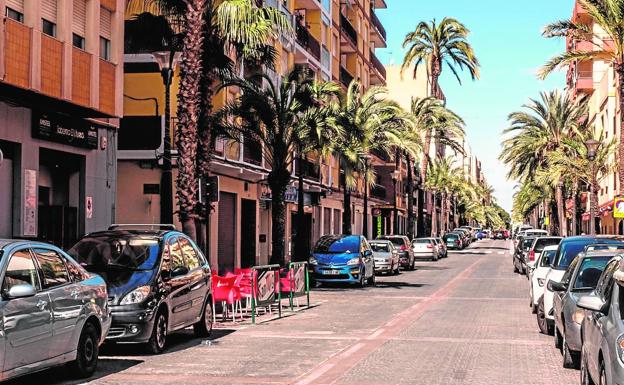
386	257
52	310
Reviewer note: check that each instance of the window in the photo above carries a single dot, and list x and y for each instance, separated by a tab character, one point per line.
21	270
105	48
76	273
15	15
175	253
48	27
605	283
191	256
78	41
589	272
53	268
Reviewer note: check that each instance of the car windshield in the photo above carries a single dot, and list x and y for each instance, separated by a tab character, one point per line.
380	247
568	249
337	245
423	241
547	257
589	272
541	243
527	242
395	241
450	236
114	251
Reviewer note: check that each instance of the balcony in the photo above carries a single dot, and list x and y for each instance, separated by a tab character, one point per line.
51	66
378	26
584	81
252	152
17	53
311	170
345	77
379	68
308	42
107	87
347	28
81	73
378	191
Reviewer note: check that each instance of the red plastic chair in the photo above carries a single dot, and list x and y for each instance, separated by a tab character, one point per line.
225	291
244	284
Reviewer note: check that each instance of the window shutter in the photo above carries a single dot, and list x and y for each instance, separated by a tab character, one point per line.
79	26
48	10
16	5
105	23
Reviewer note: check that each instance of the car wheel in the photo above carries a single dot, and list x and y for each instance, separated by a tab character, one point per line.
158	339
515	267
203	328
397	271
372	280
558	339
362	282
569	359
542	324
585	376
435	258
86	352
413	266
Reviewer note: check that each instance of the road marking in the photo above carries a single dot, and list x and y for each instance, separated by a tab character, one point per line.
492	341
328	372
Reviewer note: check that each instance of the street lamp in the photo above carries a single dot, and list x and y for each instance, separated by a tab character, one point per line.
592	148
167	61
366	158
395	227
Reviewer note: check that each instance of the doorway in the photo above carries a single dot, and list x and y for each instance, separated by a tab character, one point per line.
306	229
248	233
60	194
8	151
226	248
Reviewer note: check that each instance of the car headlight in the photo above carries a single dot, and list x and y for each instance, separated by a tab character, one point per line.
540	282
137	295
354	261
312	261
578	316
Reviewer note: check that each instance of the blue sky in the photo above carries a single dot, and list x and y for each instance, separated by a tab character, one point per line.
507	40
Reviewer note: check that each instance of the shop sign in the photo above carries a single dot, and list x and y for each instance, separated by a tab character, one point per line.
74	132
290	195
618	208
29	227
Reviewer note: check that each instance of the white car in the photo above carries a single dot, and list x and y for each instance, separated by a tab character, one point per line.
538	270
425	248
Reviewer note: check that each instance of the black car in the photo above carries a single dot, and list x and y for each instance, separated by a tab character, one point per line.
519	260
158	282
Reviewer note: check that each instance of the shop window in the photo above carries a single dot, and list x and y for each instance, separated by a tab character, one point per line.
48	27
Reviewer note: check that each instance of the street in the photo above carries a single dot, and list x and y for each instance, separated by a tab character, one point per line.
461	320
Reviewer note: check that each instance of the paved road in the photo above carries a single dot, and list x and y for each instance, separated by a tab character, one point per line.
461	320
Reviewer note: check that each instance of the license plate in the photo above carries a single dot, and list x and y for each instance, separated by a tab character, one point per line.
331	272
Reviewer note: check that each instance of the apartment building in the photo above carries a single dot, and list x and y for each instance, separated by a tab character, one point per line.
61	81
241	222
597	80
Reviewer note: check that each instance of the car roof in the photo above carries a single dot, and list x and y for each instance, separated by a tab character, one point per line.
136	232
385	241
550	247
600	253
4	243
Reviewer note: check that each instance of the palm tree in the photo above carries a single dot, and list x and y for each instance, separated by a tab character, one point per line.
434	45
440	180
273	115
608	47
368	122
540	130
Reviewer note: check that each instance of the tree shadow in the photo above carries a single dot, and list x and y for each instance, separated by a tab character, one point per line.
398	285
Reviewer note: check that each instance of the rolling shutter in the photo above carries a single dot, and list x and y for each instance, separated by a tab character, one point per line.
48	10
16	5
79	26
105	23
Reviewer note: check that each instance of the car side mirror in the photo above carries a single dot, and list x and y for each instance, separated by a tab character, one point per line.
367	253
593	303
21	291
556	286
179	271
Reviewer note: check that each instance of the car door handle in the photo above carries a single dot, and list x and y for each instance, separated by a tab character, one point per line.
41	304
74	293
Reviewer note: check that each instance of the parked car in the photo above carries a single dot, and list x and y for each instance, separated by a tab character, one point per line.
537	277
343	258
568	249
501	234
386	257
602	329
52	310
158	282
453	241
471	232
536	233
441	247
579	279
536	248
465	236
425	248
402	244
519	260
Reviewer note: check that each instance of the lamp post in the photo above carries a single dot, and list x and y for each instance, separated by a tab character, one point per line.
366	158
167	61
592	148
395	213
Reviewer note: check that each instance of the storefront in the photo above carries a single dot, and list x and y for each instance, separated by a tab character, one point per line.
57	175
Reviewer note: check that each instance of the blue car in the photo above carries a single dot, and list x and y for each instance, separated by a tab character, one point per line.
343	259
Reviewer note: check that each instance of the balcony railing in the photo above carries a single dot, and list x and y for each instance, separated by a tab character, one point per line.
51	66
81	73
377	64
17	53
345	77
377	24
307	41
347	28
107	86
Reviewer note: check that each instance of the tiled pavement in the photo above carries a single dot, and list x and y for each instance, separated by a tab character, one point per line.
461	320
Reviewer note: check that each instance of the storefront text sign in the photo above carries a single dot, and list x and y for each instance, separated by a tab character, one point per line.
29	223
74	132
290	195
618	208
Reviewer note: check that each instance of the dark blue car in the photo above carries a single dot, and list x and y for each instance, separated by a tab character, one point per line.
343	258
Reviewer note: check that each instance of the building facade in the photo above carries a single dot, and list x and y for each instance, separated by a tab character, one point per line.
61	82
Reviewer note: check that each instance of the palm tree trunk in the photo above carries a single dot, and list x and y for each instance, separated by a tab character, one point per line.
300	248
410	198
574	230
346	212
434	217
278	181
189	97
619	69
563	225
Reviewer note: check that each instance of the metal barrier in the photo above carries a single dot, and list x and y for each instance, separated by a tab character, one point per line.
265	288
299	282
